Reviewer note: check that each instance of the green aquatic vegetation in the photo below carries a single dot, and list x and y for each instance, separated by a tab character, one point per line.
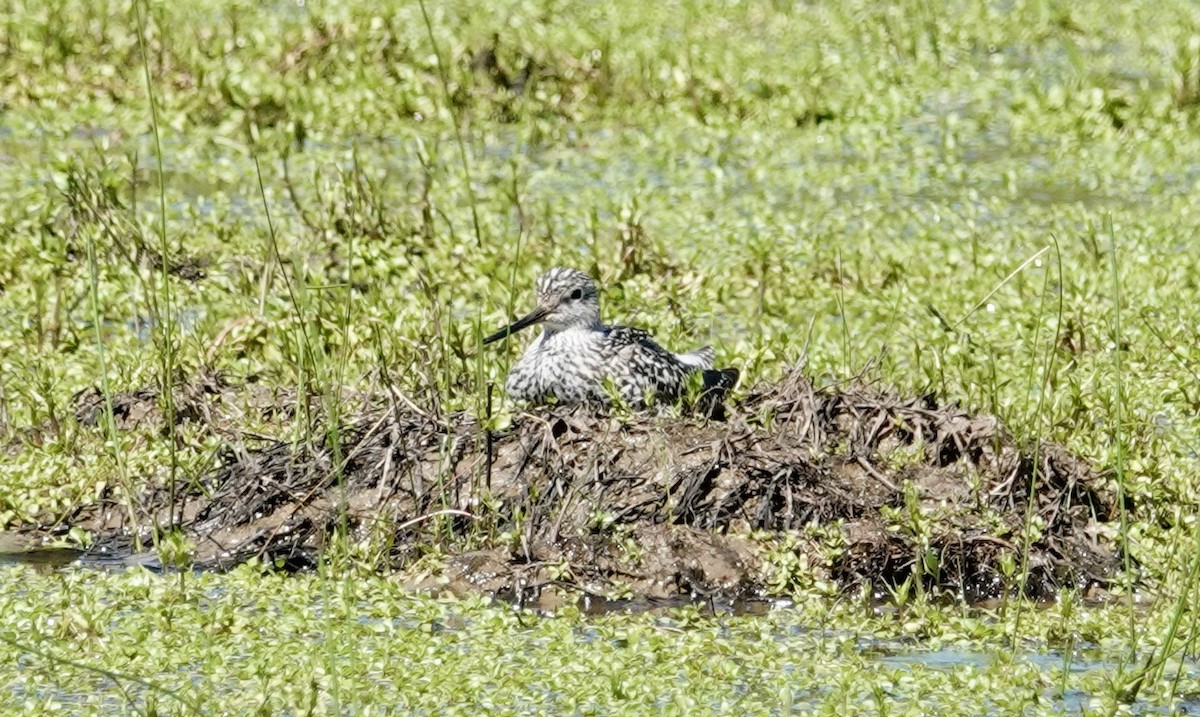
250	641
991	201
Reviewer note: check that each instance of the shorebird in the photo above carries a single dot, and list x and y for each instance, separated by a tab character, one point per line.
577	359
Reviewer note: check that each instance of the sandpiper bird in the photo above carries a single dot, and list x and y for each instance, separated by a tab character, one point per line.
576	357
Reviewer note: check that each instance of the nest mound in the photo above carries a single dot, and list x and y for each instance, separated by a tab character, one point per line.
650	505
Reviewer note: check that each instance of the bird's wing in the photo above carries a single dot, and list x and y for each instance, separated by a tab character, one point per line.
637	344
634	351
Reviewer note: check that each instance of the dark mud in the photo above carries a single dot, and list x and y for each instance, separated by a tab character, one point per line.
655	507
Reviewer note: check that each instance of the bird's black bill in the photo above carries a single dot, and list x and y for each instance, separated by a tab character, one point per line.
531	318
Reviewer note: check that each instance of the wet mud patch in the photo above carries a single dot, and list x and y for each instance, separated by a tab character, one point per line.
872	488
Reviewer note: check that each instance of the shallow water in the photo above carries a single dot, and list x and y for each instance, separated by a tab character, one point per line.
927	206
789	632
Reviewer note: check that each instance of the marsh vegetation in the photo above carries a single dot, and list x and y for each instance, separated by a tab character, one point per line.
248	251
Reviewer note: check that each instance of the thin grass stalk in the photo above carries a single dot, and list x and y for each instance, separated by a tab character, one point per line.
1128	690
301	332
1119	427
1048	367
1182	606
463	155
165	317
847	356
6	430
331	390
987	297
312	361
110	421
1191	584
333	395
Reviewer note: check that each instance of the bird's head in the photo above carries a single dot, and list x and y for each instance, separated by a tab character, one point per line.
566	298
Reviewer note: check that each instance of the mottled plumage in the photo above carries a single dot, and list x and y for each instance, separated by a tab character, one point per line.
576	358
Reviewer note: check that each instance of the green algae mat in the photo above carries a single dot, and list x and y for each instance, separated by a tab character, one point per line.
238	234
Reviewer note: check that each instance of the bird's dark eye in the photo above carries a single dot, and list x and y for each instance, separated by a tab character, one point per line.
577	295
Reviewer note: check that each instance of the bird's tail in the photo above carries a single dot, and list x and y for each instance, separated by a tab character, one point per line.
717	385
701	358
